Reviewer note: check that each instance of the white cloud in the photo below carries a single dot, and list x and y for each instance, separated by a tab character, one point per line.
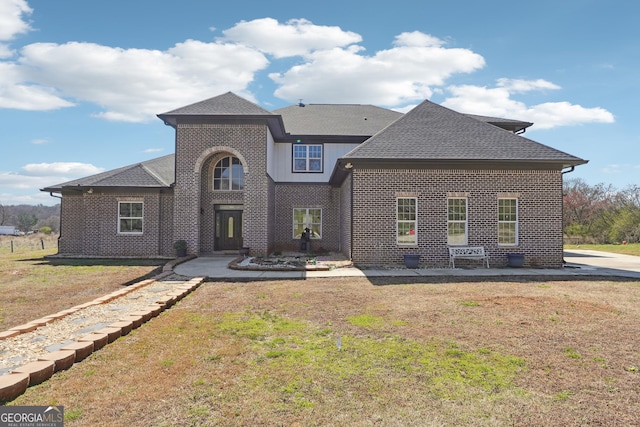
12	23
518	85
405	73
21	181
553	114
136	84
498	102
612	169
296	37
616	169
417	38
12	20
74	169
28	198
22	188
5	50
24	185
153	150
15	93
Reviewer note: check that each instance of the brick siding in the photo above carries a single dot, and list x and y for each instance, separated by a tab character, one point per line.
374	213
345	217
290	196
198	145
358	218
90	224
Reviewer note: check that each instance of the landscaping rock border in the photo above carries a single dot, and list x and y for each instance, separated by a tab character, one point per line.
16	380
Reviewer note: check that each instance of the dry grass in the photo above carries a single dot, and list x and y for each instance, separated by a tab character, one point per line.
267	353
32	286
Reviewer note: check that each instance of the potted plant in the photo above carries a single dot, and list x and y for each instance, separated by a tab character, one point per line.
181	248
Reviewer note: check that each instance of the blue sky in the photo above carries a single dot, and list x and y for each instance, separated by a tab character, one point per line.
81	82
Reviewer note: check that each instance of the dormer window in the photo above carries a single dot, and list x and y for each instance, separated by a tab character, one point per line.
307	158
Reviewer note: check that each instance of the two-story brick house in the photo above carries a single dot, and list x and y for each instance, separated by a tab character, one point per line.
368	182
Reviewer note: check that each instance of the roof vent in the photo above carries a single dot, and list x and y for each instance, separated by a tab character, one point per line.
300	104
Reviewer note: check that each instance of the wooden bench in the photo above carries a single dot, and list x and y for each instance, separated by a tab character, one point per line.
467	252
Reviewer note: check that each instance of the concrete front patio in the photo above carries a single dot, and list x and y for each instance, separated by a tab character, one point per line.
578	263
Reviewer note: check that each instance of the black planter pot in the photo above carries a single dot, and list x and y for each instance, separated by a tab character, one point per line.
515	260
411	260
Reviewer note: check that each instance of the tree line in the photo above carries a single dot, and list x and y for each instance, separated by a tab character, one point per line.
600	213
28	218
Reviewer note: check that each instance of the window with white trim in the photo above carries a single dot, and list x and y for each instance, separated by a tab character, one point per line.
407	220
228	174
507	221
310	218
130	217
307	158
457	225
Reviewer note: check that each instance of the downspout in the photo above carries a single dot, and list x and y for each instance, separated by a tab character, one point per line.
60	224
351	219
562	208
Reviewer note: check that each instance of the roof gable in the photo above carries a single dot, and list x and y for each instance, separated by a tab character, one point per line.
227	104
433	132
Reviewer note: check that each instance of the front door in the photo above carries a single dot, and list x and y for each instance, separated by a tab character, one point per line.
228	230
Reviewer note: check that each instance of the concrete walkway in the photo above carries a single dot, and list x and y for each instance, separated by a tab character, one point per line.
579	263
604	263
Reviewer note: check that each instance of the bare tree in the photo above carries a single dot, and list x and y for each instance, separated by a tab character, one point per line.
600	213
589	209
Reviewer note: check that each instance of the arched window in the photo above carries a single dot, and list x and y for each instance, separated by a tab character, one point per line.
228	174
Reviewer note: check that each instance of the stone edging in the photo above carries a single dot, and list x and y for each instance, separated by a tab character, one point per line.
18	380
235	265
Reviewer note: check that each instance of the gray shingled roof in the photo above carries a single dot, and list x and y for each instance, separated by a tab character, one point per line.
152	173
227	104
433	132
429	132
335	119
508	124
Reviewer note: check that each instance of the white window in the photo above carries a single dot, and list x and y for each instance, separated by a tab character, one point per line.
130	217
307	158
310	218
407	221
456	221
228	174
508	222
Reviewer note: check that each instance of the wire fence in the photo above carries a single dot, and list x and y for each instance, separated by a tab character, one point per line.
22	244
